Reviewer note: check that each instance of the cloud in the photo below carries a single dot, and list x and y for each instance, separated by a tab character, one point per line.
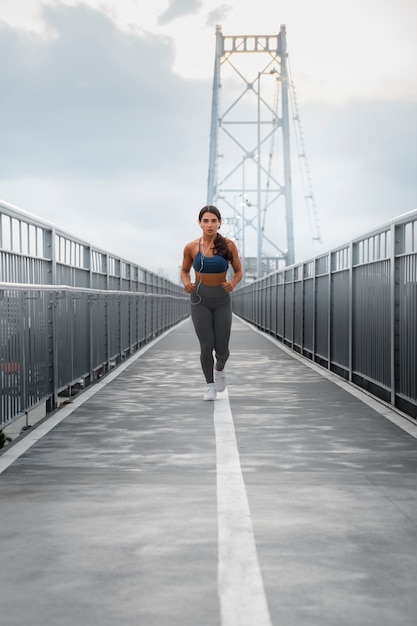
218	14
93	99
179	8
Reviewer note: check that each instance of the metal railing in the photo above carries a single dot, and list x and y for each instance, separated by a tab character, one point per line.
69	312
352	310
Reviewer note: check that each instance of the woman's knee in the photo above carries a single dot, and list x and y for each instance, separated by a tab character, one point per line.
206	347
222	355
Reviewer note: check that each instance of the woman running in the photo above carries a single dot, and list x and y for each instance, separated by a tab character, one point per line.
210	256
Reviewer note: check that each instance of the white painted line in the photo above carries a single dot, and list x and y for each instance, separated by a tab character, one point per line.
16	450
241	591
401	420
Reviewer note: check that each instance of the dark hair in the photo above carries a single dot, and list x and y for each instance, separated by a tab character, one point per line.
220	242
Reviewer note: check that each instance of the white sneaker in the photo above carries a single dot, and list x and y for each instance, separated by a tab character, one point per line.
211	392
220	380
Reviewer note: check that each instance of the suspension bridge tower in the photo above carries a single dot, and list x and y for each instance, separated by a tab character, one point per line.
249	176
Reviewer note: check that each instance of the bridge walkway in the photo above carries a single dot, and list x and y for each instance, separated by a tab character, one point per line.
288	501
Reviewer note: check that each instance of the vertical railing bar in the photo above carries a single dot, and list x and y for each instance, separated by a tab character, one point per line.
329	312
393	290
350	322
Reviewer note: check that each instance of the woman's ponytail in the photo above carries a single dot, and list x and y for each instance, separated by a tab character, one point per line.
221	247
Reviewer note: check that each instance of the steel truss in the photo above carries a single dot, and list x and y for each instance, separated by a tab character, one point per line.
249	174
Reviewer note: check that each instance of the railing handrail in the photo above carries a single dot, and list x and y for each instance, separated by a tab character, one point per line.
88	290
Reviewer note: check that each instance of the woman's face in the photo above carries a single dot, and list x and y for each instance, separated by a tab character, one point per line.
209	224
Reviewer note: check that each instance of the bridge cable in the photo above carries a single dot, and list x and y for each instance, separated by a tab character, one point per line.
306	181
271	152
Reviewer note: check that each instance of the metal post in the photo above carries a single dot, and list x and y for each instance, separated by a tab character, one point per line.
212	173
329	312
351	320
243	221
286	148
259	222
397	235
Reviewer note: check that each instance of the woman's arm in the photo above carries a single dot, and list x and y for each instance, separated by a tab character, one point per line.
186	267
237	268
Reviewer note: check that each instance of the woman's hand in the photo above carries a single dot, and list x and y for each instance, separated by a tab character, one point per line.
228	286
189	287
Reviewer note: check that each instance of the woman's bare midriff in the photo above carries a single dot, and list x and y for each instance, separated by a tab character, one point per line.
211	280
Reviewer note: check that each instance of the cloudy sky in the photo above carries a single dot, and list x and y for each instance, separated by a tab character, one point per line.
105	114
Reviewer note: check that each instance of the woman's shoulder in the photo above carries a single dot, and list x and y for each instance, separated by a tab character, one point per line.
191	245
230	243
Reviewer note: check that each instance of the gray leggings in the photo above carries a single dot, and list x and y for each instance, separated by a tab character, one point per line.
211	313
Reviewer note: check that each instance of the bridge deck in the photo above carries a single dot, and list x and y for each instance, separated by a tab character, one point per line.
135	510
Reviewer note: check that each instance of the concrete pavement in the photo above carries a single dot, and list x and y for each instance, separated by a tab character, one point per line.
288	501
